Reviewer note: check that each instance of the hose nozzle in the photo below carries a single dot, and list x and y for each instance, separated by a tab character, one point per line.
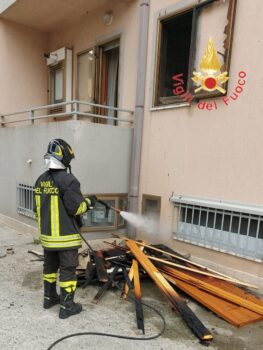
108	207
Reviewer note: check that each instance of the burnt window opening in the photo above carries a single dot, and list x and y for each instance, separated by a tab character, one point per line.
175	52
182	41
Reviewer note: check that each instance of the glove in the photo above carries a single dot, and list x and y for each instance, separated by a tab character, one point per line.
92	199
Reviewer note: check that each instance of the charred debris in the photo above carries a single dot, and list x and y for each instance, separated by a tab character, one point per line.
126	263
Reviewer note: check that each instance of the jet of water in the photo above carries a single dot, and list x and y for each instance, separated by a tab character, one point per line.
148	224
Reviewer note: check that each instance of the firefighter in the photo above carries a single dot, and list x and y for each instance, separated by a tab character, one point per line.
59	204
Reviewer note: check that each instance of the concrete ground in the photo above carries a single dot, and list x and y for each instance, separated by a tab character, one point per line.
25	325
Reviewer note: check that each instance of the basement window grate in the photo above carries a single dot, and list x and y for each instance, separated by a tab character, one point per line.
25	200
230	231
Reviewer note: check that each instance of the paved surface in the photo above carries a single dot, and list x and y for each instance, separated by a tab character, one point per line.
25	325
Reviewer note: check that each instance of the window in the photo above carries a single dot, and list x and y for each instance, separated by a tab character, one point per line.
100	218
56	83
182	39
98	79
86	78
238	232
174	53
56	86
151	206
25	200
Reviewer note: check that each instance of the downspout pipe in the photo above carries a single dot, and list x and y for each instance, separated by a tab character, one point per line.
139	111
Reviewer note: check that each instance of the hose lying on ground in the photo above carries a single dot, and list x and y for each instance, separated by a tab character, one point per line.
116	335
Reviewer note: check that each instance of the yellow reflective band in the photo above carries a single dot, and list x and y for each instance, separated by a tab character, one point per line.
50	277
70	151
54	216
59	245
38	205
59	153
89	201
67	241
69	286
82	208
65	238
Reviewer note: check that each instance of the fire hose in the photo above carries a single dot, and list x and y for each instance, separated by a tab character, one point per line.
108	207
117	335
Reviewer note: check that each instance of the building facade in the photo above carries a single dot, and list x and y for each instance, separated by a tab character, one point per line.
195	160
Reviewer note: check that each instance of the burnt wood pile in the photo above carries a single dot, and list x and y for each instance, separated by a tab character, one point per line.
126	264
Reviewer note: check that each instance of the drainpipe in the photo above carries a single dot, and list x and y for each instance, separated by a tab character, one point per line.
139	112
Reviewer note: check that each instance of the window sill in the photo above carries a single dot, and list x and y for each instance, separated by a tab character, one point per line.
173	106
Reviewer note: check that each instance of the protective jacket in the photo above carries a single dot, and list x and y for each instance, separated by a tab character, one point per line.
58	200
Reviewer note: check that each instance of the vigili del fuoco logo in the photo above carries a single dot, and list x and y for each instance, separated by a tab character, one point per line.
209	78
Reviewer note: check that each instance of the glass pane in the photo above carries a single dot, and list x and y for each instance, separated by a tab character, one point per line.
86	75
99	216
58	85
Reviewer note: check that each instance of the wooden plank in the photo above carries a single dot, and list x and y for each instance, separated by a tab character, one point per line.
203	268
126	287
100	267
231	288
99	263
106	286
222	293
41	255
170	263
187	314
232	313
138	297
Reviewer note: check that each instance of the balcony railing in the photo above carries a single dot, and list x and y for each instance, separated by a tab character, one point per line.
72	111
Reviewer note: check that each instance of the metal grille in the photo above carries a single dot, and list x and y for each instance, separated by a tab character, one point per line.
25	200
228	231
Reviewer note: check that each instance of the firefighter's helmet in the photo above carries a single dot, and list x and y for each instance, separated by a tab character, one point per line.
60	150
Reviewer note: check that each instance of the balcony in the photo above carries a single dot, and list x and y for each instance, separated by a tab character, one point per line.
102	145
70	110
47	15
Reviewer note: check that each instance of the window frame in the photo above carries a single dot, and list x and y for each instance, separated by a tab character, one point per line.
223	235
158	199
174	11
99	66
93	48
109	196
52	69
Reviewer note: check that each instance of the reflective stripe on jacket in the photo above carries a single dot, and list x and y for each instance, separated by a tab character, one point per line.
58	199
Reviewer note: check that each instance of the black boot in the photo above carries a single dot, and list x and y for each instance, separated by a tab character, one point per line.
51	297
67	306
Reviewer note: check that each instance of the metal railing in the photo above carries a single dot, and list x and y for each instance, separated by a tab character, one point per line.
74	113
230	231
25	200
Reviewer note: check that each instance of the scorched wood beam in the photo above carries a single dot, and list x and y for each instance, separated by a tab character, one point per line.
138	297
187	314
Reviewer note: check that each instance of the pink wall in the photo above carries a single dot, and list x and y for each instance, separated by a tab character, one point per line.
23	69
209	154
90	30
